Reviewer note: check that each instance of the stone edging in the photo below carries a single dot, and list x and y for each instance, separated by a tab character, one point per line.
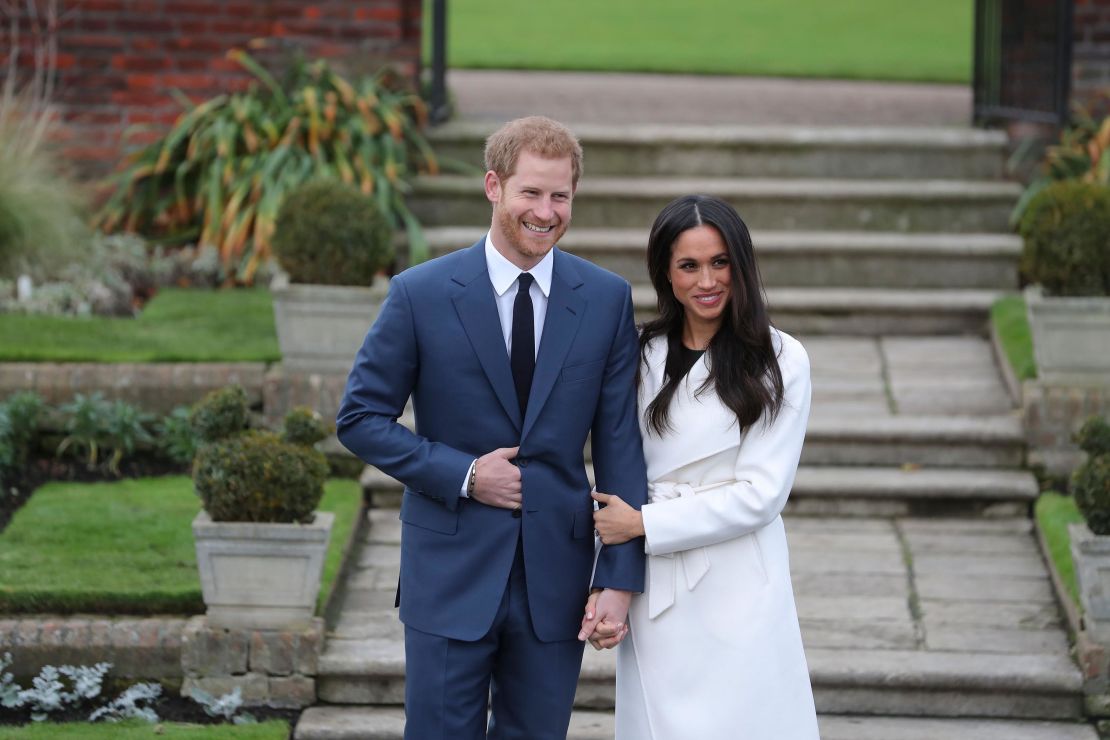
137	648
1093	657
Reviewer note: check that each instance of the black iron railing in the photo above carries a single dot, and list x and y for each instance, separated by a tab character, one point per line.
439	108
1022	60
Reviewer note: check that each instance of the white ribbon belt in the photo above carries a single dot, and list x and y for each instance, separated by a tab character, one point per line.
662	569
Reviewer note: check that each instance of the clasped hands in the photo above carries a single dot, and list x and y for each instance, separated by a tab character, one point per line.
604	623
497	482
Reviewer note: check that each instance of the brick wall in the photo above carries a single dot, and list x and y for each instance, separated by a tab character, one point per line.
119	60
1091	55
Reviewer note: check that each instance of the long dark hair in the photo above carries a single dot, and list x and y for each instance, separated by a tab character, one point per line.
742	364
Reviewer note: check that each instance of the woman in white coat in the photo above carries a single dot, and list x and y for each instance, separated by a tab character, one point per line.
712	649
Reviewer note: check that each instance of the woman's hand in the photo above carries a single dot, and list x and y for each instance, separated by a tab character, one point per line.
617	522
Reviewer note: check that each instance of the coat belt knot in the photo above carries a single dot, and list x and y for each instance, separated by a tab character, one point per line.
662	569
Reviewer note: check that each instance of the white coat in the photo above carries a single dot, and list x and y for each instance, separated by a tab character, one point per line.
715	651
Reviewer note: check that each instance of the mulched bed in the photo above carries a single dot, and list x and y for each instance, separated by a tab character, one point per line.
170	708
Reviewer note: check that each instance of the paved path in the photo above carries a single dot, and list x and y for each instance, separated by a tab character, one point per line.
932	585
584	97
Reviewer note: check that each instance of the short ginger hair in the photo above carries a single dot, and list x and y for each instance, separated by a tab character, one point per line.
539	135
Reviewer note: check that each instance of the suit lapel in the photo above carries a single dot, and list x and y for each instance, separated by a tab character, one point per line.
565	308
477	310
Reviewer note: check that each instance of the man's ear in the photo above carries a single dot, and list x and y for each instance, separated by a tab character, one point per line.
493	187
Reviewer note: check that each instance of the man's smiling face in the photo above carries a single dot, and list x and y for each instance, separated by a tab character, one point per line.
531	208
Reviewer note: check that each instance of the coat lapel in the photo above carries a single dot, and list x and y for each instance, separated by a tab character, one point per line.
565	308
701	426
477	310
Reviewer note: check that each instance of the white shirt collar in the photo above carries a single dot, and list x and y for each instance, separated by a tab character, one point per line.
503	273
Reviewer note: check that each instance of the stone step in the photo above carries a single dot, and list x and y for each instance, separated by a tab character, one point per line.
387	723
813	259
856	491
864	311
851	681
764	151
929	441
848	437
766	204
911	491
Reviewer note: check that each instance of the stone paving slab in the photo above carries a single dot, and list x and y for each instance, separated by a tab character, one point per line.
977	565
964	638
387	723
864	634
956	587
591	97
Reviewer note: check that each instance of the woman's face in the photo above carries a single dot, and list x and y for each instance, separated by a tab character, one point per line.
701	274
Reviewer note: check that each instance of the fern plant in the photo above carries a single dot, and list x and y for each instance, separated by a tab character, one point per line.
222	171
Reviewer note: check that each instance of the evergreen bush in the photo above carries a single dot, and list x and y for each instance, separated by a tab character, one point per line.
1090	483
250	475
1066	230
328	232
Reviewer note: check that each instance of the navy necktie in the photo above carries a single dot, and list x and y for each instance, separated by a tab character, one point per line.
522	355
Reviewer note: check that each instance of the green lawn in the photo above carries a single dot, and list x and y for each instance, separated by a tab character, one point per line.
272	730
179	325
1012	324
857	39
123	547
1054	513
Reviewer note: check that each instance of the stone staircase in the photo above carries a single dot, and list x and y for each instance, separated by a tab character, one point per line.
926	609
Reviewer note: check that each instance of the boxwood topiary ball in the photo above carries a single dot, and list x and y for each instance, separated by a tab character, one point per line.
329	233
1094	437
221	413
1066	230
1091	487
258	477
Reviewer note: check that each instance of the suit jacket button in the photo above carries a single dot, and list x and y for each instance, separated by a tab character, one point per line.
522	462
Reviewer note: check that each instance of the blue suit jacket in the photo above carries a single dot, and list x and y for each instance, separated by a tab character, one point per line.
438	338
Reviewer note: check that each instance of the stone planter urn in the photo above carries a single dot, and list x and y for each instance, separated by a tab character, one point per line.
321	327
1070	337
1091	554
259	575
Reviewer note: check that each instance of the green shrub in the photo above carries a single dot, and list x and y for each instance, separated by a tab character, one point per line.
1067	239
220	174
96	426
176	438
303	427
329	233
258	476
1091	481
23	410
1083	153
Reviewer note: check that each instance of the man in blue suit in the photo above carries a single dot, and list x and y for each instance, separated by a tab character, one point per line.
512	351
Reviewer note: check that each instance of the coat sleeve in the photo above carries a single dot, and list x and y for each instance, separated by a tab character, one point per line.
618	453
379	386
766	463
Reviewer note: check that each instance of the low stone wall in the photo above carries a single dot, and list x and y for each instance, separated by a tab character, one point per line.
271	668
284	390
136	648
154	387
1053	414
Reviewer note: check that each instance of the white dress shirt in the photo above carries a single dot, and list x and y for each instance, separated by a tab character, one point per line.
504	275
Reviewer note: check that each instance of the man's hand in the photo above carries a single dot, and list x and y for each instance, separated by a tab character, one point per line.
496	480
617	522
605	622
